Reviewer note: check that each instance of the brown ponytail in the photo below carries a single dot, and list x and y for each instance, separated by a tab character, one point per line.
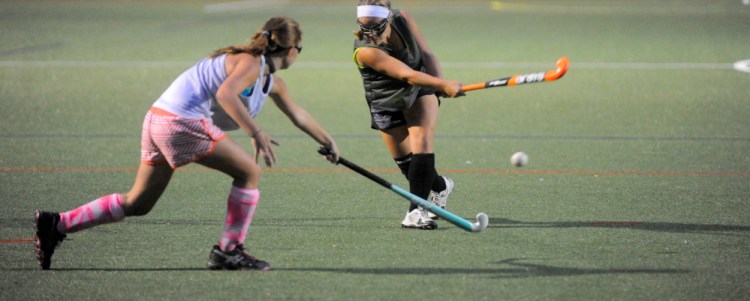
276	35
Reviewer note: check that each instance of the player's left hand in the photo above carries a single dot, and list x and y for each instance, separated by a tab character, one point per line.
263	147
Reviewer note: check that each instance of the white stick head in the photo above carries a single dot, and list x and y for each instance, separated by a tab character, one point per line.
481	224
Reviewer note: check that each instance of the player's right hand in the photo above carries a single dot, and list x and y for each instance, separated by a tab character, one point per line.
452	89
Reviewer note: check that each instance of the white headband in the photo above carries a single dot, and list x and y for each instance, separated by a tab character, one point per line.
372	11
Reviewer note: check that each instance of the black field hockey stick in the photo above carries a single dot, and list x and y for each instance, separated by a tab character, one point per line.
520	79
478	226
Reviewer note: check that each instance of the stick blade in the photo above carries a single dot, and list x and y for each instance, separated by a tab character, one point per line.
481	224
562	68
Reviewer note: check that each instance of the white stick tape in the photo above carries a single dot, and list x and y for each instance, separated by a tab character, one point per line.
372	11
743	66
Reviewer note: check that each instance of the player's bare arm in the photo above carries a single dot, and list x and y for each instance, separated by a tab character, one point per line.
384	63
245	71
242	71
301	118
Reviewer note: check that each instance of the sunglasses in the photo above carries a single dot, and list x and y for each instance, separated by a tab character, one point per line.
374	29
299	49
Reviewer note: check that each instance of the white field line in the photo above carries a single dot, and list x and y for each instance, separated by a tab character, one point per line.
740	66
91	64
241	5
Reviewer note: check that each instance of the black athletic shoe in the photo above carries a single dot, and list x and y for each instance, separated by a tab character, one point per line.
47	237
236	259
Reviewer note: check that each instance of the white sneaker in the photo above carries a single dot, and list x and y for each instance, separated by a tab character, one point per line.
418	219
440	198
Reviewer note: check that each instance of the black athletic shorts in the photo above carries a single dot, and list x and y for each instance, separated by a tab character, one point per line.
388	119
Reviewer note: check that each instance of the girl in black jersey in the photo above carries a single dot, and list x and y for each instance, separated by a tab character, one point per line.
401	79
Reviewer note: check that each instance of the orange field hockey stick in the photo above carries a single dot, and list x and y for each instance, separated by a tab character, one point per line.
519	79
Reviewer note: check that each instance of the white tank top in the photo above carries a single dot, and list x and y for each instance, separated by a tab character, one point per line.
193	93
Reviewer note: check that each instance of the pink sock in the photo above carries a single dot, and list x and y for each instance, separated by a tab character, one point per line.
240	209
106	209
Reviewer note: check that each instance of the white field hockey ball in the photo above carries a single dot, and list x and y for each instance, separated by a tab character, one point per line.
519	159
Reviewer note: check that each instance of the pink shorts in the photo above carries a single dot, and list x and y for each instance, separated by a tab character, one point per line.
170	139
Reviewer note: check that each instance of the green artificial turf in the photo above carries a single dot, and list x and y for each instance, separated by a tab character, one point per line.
637	186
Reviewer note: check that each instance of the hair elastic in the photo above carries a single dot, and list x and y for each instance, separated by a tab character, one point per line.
271	43
372	11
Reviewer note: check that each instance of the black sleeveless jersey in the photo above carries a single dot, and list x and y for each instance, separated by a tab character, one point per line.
382	91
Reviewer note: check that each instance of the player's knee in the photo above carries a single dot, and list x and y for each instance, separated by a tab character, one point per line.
250	177
421	141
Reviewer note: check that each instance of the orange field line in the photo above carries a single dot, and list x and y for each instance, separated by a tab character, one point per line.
15	241
324	170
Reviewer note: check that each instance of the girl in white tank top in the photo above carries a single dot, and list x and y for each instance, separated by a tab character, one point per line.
235	80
